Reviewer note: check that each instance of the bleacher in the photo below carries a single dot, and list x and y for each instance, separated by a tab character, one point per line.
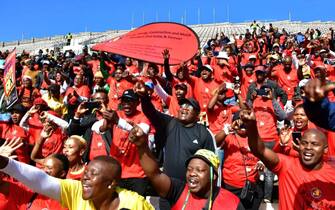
204	31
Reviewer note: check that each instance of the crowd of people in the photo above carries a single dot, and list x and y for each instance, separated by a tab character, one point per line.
97	130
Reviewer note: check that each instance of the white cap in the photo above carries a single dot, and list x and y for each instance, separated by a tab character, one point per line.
208	67
223	55
252	57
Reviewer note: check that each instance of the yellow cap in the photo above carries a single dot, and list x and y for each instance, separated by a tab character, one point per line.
208	156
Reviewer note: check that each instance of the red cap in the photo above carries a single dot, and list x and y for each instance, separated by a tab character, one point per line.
39	101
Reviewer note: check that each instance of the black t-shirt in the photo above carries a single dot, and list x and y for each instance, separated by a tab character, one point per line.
179	142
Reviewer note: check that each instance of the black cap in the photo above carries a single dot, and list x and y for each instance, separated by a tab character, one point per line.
192	102
129	94
181	85
249	65
17	107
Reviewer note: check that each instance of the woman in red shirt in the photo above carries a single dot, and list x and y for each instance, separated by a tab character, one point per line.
74	148
240	164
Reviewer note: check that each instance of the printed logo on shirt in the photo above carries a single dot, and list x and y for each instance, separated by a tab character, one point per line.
316	193
195	141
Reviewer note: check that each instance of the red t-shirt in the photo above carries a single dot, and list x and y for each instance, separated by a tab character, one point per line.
173	105
301	188
11	131
19	197
83	91
116	90
125	151
245	82
133	69
224	200
203	92
75	175
94	64
287	81
35	128
234	170
53	144
266	119
42	202
224	74
220	116
98	146
189	93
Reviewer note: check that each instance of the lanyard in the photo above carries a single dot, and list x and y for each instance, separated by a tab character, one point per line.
186	200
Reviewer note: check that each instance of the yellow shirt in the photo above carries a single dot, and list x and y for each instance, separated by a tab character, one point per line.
71	198
55	105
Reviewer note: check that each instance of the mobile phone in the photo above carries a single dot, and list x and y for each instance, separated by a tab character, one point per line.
92	105
296	137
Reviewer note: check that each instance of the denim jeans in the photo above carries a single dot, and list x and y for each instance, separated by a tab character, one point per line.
268	176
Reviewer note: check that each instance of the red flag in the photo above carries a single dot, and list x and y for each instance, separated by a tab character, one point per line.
10	80
148	42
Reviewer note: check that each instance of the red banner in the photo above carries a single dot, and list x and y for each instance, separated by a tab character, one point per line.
10	80
148	42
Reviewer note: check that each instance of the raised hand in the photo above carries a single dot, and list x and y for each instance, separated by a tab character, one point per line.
315	91
10	146
137	136
33	110
166	54
285	135
81	110
247	116
140	89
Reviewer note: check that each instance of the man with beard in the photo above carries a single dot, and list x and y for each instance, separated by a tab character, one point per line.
305	182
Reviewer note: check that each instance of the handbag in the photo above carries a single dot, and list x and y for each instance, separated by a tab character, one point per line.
249	189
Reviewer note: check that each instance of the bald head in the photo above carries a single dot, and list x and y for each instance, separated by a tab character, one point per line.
111	167
318	134
313	145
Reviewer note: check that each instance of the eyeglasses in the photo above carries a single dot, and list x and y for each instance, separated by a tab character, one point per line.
186	106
